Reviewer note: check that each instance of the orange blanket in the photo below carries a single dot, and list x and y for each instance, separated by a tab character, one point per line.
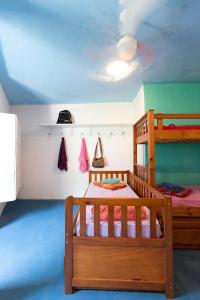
111	186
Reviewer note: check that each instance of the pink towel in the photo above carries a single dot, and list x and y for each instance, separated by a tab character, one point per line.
83	157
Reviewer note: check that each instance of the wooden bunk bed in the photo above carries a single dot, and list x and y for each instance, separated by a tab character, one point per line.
150	129
123	262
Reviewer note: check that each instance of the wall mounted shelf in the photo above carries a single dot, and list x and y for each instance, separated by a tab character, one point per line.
77	125
83	128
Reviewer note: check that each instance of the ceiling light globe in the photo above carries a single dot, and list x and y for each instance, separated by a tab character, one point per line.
127	48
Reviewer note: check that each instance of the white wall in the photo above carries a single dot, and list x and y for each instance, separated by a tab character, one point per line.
41	179
4	108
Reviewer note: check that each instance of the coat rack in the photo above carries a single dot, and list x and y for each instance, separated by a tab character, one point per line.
89	129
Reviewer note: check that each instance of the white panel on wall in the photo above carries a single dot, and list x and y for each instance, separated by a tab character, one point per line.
4	107
7	157
18	157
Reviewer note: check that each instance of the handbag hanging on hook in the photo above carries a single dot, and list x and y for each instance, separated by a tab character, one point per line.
98	162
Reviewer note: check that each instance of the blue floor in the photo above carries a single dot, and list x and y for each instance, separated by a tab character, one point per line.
31	258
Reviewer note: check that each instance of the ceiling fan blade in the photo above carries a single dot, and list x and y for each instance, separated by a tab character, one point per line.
108	53
146	53
134	13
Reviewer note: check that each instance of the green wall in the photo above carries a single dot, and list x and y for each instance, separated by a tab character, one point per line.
176	163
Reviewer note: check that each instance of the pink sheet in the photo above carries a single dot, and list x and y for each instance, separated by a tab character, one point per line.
192	200
181	127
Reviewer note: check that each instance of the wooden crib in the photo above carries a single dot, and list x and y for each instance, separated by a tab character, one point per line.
111	262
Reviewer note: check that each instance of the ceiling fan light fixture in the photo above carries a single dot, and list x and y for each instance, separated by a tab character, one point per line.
118	69
127	48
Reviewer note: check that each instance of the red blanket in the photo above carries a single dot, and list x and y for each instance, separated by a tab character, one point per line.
117	213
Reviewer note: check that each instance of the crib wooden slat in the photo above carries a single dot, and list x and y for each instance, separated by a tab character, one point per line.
138	222
111	221
95	177
122	176
152	222
124	221
101	176
82	220
96	220
90	177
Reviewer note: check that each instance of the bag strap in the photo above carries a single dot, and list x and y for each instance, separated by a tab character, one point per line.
100	145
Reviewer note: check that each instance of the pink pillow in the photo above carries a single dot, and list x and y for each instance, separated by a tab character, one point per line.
117	213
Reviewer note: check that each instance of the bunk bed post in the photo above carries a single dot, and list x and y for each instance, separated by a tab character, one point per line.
68	266
151	148
134	150
169	291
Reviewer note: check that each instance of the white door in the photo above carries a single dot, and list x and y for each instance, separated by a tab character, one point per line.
7	157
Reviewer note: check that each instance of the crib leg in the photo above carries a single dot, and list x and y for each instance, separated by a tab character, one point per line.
67	278
169	292
68	264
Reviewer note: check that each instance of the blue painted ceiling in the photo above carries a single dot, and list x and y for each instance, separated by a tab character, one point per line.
57	51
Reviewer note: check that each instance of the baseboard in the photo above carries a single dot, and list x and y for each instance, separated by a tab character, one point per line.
39	199
2	206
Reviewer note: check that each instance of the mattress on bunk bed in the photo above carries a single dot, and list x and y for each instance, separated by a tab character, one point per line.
191	200
99	192
181	127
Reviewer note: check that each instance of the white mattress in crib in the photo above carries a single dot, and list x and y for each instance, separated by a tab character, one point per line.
98	192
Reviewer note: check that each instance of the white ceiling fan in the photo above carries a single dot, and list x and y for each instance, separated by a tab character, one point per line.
128	54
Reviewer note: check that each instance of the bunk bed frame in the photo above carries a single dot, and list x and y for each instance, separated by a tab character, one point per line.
150	130
111	262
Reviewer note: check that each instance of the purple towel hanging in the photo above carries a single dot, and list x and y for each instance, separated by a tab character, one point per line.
62	158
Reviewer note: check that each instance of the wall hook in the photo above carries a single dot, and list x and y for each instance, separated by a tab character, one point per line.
123	132
49	132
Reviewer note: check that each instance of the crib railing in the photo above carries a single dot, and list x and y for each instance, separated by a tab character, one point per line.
143	189
141	127
123	203
99	175
141	172
151	119
82	250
